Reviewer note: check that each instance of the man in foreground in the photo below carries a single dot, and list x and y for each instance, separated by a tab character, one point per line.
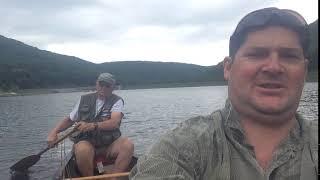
99	115
258	134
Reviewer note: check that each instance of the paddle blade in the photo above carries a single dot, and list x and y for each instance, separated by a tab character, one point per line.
25	163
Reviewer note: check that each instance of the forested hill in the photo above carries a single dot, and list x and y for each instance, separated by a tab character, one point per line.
24	67
145	72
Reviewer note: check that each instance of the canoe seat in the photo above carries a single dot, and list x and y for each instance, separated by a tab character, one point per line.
102	164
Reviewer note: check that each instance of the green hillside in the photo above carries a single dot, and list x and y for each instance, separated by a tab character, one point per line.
25	67
144	73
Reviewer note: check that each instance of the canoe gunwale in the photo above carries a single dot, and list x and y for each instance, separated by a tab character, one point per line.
70	169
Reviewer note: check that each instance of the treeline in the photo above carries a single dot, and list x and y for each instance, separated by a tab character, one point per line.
25	67
147	73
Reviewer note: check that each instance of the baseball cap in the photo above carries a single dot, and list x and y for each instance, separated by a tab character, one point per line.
268	17
107	77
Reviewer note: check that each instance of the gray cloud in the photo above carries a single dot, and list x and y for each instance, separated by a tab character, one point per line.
47	22
50	21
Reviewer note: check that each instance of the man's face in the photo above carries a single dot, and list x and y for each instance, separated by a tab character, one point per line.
104	89
267	74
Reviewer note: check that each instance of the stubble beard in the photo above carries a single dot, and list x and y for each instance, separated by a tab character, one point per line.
271	116
250	108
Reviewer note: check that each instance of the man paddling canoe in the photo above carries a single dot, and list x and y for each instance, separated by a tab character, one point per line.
258	134
99	115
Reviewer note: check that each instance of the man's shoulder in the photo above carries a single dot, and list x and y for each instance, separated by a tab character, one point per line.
312	128
201	122
309	131
309	126
314	125
91	94
192	138
197	127
88	98
116	96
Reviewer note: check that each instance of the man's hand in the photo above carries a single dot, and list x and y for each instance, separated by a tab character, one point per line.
84	127
52	137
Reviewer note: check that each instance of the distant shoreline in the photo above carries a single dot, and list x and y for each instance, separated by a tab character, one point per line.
28	92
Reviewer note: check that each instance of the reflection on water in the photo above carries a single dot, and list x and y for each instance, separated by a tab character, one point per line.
26	120
17	175
309	101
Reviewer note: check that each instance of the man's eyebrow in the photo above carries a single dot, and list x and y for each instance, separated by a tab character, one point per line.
297	50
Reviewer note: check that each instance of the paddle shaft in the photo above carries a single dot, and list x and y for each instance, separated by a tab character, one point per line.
59	140
101	176
29	161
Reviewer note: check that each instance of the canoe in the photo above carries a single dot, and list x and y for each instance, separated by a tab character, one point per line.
70	169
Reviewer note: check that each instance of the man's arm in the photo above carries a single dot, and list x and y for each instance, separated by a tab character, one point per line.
169	158
61	126
64	124
179	154
115	119
107	124
112	123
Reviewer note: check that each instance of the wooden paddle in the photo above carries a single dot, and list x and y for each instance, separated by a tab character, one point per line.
29	161
101	176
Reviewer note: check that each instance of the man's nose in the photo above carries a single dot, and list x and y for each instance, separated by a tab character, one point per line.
273	64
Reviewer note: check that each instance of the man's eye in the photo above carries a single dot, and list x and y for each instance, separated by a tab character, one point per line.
288	55
253	54
291	57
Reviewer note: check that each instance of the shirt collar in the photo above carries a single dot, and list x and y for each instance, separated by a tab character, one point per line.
231	121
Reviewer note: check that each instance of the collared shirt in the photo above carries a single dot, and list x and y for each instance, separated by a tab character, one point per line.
194	150
286	161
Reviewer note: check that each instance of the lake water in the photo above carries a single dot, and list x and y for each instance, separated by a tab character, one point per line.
26	120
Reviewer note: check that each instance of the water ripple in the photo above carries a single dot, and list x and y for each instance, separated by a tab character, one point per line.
149	113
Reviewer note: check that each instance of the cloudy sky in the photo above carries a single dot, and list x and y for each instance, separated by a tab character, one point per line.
188	31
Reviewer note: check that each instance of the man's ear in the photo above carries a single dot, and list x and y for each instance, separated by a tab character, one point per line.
227	62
